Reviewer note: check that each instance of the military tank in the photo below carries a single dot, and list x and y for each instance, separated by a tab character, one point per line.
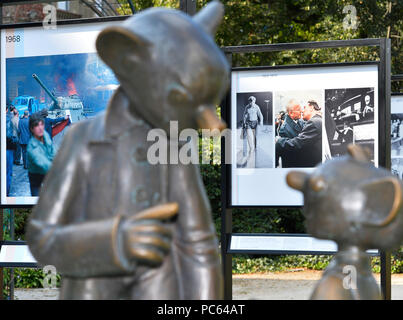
64	106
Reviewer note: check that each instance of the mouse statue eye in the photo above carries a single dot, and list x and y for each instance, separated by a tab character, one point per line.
317	184
178	96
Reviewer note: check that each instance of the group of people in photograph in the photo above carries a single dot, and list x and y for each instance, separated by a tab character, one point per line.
349	119
29	138
396	135
396	128
299	135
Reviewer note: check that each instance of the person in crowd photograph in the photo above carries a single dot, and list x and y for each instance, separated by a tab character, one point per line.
24	136
15	122
40	153
303	146
293	123
297	145
280	118
397	167
396	134
11	146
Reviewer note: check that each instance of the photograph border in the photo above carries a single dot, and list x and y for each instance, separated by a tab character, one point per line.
40	25
394	94
227	116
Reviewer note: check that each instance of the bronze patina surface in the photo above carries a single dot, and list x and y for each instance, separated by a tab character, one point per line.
114	225
359	206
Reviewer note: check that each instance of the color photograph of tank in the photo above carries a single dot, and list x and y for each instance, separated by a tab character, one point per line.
45	96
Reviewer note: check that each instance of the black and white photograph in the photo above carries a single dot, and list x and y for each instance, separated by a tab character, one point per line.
396	134
349	118
255	132
316	111
298	128
397	167
396	126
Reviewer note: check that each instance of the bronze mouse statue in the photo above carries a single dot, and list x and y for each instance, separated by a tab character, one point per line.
357	205
105	216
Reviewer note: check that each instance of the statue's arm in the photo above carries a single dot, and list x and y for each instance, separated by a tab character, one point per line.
57	232
195	238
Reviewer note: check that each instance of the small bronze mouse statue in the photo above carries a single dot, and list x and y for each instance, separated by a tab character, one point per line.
105	216
357	205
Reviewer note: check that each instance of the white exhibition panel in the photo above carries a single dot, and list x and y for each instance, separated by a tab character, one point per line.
397	135
16	254
39	42
283	243
266	186
396	104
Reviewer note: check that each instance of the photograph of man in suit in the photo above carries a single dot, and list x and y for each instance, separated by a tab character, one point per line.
305	149
293	123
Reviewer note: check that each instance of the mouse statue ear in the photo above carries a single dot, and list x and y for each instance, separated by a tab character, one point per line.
121	49
297	179
384	201
210	16
359	153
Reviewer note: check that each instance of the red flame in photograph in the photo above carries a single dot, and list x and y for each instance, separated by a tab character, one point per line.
71	87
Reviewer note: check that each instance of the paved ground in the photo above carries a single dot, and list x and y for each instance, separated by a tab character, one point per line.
263	155
271	286
397	148
20	182
36	294
290	286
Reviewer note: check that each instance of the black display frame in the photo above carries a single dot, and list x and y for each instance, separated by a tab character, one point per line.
228	104
384	98
384	82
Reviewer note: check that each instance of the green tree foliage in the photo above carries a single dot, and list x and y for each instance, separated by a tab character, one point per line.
144	4
282	21
20	219
264	22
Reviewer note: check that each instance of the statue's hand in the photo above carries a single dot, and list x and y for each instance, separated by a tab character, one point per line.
146	239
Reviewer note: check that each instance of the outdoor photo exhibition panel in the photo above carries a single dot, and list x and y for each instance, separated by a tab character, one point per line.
284	118
396	135
57	70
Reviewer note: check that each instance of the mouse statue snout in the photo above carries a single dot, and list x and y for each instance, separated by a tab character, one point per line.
207	119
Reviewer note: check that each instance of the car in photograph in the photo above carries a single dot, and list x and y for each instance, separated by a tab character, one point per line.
24	103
